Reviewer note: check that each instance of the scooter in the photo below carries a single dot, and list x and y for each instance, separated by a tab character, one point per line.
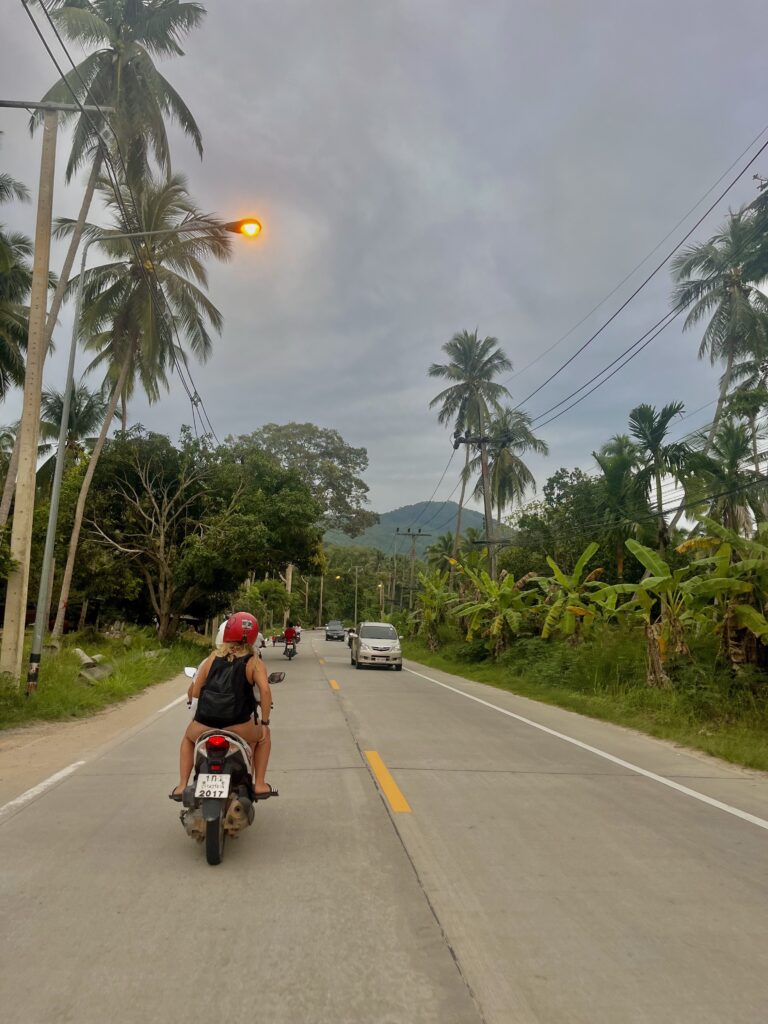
219	802
290	649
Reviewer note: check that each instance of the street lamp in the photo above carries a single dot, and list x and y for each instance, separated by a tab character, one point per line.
248	226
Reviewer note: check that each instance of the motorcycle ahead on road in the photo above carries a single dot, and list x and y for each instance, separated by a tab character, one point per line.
219	802
290	649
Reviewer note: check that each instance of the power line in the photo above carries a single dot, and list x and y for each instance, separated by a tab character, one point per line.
653	516
442	477
650	276
669	317
612	373
645	259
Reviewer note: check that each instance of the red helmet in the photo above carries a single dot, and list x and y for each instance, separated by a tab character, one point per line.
241	628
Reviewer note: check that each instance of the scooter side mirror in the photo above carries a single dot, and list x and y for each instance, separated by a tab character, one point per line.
276	677
189	672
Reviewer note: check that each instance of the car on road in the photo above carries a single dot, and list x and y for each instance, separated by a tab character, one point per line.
376	643
334	630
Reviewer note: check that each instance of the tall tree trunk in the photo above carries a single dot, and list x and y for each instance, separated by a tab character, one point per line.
123	412
753	432
660	510
724	385
50	324
10	481
66	583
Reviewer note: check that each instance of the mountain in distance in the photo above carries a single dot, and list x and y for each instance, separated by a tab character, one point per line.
431	517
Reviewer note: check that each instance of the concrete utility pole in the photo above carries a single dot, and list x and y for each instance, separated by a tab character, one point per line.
413	534
357	568
11	650
21	534
482	440
394	576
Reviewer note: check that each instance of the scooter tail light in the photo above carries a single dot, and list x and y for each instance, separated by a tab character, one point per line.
217	745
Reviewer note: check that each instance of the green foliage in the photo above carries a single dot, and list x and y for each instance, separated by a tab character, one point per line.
568	597
329	466
498	609
432	607
194	521
62	694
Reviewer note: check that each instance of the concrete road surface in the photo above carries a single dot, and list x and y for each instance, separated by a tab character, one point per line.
440	852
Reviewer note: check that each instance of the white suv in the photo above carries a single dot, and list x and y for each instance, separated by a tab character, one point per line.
376	643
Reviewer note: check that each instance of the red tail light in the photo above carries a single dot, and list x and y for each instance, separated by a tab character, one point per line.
217	745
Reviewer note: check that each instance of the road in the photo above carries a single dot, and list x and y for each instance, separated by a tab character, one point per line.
440	852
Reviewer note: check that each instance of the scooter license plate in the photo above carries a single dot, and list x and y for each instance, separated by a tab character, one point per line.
212	787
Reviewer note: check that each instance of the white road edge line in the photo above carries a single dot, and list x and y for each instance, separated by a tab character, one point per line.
39	788
735	811
172	704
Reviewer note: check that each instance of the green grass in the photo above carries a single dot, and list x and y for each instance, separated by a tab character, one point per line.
61	694
708	708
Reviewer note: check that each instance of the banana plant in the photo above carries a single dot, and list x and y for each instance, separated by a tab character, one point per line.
499	608
673	604
432	607
569	599
737	610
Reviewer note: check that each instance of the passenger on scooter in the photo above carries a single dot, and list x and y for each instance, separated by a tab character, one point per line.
289	636
237	671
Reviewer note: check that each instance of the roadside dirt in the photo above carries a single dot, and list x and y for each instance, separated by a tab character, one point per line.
30	754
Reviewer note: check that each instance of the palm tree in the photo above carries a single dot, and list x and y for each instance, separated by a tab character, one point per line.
625	503
715	280
439	551
86	415
656	459
739	492
470	400
15	285
120	73
138	304
10	189
749	403
510	478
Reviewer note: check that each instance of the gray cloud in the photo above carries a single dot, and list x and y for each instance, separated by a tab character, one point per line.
425	167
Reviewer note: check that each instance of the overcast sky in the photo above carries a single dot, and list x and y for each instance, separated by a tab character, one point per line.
425	166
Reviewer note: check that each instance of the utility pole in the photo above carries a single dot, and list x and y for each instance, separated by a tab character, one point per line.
21	534
394	577
413	534
481	440
357	569
11	650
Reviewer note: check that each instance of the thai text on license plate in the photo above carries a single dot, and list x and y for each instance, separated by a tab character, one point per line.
212	787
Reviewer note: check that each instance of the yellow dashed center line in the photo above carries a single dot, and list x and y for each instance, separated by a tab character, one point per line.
322	661
387	784
333	684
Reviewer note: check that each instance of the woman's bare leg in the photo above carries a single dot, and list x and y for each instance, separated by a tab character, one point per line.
187	753
261	744
186	759
260	761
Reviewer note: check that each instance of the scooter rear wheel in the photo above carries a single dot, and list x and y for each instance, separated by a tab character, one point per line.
214	840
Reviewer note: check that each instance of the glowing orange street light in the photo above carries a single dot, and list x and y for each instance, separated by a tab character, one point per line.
248	226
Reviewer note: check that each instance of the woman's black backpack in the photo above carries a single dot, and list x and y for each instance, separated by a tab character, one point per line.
227	697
